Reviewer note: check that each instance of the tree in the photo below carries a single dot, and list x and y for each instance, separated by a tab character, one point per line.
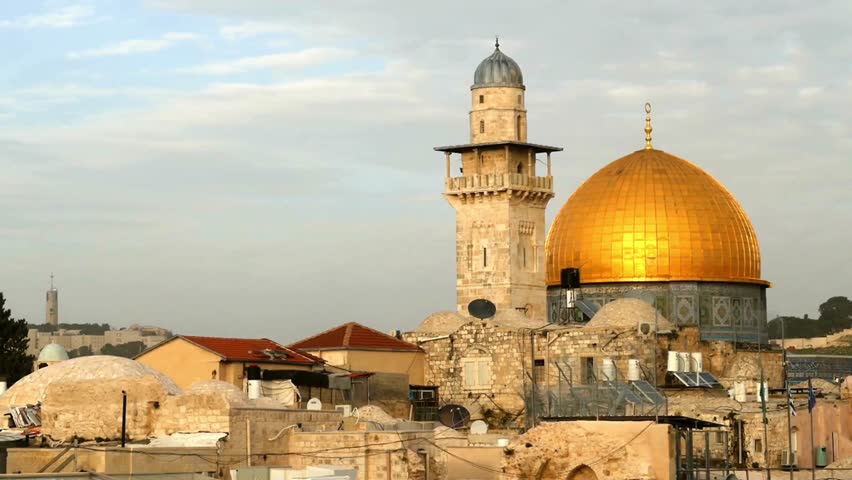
836	313
14	361
128	350
83	351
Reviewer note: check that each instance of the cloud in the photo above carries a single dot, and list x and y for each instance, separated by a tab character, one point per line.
134	46
301	59
66	17
687	88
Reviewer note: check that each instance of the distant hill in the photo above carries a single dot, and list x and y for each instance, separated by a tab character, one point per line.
835	315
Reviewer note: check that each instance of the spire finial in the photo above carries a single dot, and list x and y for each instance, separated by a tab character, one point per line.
497	42
51	280
648	128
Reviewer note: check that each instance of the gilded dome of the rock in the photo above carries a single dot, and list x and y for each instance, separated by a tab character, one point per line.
651	216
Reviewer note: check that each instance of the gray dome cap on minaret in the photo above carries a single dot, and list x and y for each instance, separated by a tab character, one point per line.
498	70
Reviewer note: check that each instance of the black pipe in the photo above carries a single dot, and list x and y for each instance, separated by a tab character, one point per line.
123	417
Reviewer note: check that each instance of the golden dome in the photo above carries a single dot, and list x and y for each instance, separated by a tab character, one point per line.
651	216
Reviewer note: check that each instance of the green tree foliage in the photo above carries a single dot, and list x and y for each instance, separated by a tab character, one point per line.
84	328
83	351
835	314
14	361
128	350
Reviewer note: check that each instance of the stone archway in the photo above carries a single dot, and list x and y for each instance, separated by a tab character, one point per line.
582	472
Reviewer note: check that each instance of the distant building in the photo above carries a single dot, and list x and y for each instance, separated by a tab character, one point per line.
52	305
72	340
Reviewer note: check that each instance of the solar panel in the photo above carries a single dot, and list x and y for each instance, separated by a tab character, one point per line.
648	391
706	379
588	308
701	379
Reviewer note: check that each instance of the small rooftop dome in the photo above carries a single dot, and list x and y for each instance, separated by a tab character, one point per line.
52	352
442	323
629	313
511	318
498	70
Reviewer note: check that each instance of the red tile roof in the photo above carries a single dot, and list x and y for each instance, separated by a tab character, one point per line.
353	336
252	350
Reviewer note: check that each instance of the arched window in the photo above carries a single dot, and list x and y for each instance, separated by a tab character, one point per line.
476	369
518	126
520	167
482	126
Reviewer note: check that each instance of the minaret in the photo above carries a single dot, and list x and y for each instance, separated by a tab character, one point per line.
52	316
500	196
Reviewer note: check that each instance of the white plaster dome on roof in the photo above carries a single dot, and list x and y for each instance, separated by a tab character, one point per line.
629	313
511	318
82	372
52	352
442	323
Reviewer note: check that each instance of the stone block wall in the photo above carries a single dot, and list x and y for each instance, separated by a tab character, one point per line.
499	110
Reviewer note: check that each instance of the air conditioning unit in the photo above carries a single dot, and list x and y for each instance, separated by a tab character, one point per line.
346	410
788	458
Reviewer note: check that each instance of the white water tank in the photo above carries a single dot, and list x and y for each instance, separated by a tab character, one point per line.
697	362
684	361
634	373
254	389
608	370
2	387
740	391
671	366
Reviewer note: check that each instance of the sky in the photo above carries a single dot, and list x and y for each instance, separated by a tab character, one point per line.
265	167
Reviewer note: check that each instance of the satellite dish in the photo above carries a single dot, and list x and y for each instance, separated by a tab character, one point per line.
453	416
314	404
478	427
481	308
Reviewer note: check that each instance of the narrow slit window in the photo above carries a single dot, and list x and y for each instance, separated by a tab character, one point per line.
518	126
484	256
525	257
482	99
470	257
482	126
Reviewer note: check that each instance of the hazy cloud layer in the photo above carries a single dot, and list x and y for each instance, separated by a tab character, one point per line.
275	175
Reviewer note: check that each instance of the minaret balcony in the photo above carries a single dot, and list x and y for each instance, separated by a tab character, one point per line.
500	182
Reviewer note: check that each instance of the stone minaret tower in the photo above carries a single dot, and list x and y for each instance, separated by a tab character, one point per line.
52	312
500	196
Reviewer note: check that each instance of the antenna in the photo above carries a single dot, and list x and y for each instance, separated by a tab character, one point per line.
481	308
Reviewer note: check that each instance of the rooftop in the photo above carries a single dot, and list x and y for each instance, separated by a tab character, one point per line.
251	349
353	336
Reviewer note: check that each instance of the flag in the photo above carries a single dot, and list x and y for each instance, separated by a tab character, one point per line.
811	397
790	404
762	387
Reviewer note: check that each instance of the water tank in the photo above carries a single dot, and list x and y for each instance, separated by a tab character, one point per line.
697	362
254	389
608	370
821	457
634	373
2	387
671	366
740	392
684	361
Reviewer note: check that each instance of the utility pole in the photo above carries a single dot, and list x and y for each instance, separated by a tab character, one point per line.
789	399
763	409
